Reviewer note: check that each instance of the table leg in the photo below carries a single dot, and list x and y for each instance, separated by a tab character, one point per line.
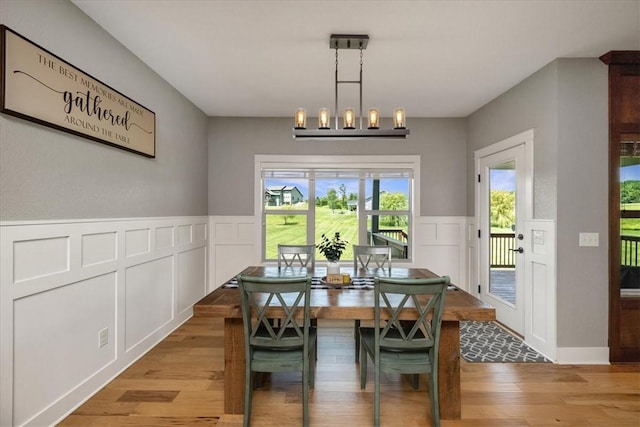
233	366
449	371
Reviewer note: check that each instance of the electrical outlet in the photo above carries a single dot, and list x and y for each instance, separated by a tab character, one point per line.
103	337
589	239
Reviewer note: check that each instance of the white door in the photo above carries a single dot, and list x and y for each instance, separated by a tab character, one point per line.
502	204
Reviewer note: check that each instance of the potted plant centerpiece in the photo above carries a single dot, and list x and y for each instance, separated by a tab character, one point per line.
332	250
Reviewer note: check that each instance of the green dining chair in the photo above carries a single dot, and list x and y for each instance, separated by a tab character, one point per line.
284	348
369	257
403	346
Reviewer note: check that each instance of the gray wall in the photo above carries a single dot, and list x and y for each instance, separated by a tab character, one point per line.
49	174
530	104
233	142
583	196
566	104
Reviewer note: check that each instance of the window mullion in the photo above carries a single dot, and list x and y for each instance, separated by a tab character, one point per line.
311	217
362	214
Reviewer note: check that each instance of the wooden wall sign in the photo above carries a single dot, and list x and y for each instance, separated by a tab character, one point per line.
39	86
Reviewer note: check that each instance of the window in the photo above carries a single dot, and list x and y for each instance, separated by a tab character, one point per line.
367	203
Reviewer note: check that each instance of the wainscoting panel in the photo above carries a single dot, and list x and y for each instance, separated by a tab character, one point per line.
40	257
137	242
191	273
148	291
235	244
164	238
442	260
540	287
98	248
440	244
82	300
184	234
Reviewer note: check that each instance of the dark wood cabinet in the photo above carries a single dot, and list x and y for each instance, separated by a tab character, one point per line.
624	205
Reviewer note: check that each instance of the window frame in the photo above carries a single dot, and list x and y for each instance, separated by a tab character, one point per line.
361	164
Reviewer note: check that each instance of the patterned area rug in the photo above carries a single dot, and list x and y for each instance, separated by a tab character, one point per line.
488	342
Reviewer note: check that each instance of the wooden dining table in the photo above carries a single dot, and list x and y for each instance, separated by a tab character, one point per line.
343	303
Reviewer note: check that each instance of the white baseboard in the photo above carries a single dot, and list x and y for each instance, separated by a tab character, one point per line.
583	355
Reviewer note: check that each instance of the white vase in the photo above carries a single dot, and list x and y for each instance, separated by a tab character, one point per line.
333	267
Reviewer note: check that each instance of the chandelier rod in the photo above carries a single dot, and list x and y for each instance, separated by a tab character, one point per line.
337	81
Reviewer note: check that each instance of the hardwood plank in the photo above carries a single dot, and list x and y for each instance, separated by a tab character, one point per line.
122	421
148	396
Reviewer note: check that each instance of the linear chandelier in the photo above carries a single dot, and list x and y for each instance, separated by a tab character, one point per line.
349	130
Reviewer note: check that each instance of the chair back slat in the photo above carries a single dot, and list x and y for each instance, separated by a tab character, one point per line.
365	256
296	256
263	298
425	297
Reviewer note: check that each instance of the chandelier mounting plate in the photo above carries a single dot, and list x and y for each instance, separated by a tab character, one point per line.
348	41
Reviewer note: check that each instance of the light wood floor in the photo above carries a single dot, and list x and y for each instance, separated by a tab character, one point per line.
180	383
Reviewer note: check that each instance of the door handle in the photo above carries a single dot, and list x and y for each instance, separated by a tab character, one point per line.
519	250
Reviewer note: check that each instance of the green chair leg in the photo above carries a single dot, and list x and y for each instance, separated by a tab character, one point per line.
363	369
356	335
248	391
435	401
376	397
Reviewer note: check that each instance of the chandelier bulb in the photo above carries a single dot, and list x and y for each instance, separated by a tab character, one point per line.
323	118
349	119
300	119
399	119
374	118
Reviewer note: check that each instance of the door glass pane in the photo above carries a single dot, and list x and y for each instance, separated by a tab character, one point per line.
630	218
336	211
502	210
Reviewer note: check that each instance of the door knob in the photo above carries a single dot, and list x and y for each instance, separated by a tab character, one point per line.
519	250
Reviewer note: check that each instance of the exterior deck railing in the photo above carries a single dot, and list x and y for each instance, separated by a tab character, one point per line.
396	238
502	245
502	255
629	251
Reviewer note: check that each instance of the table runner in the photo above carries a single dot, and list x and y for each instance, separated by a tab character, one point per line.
366	283
317	283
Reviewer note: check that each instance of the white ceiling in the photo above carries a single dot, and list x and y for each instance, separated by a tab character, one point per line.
434	58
